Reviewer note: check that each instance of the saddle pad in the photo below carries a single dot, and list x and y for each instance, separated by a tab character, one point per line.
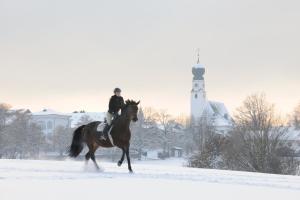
101	126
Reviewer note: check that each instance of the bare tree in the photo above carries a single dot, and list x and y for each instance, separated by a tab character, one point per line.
61	139
296	117
84	119
257	139
35	140
164	121
15	134
4	116
183	120
21	138
201	130
138	140
145	134
149	115
209	145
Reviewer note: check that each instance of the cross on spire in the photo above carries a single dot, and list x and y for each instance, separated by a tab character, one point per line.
198	56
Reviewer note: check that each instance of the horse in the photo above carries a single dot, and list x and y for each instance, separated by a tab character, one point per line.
120	134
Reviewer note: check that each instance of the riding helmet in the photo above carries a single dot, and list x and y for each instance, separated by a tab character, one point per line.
117	90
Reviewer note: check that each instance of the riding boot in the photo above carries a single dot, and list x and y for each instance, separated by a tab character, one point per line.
104	134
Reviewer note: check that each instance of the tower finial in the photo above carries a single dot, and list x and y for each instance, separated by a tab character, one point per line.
198	56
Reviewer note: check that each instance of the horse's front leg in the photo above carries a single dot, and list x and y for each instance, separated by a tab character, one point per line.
128	160
122	158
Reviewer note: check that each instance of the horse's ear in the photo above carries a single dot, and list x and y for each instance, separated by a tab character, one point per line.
137	103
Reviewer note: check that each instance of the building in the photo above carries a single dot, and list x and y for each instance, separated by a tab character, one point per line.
49	120
201	107
176	152
293	139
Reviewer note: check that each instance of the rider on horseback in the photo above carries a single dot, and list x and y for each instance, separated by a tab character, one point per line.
116	102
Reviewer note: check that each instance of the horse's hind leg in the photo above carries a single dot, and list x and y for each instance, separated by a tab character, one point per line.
92	154
94	160
87	157
122	158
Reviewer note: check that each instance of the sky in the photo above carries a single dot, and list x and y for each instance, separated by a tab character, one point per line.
69	54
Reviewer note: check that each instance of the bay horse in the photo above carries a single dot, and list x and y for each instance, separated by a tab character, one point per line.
120	134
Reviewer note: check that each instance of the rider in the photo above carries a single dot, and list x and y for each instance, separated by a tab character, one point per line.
116	102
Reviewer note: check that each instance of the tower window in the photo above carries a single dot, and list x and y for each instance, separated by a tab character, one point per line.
49	125
196	96
196	84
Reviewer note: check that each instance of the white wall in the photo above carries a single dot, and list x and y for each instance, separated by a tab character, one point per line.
50	122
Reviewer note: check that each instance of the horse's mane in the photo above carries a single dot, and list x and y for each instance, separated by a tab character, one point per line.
130	102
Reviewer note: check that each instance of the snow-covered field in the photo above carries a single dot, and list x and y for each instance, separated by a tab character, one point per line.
55	180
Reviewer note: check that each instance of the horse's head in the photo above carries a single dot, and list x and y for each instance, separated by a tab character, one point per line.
131	109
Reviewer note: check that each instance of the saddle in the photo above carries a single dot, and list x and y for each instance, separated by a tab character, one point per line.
101	126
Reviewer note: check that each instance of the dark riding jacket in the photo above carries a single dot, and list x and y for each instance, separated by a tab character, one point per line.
115	104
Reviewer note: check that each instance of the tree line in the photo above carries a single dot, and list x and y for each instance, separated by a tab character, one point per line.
258	141
21	138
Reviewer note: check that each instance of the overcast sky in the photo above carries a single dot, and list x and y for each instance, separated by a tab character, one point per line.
69	55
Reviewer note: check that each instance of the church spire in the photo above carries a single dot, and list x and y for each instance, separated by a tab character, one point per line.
198	94
198	56
198	69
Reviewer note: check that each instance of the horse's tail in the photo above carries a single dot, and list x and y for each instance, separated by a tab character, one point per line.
77	142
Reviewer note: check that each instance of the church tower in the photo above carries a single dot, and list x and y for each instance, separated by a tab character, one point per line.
198	94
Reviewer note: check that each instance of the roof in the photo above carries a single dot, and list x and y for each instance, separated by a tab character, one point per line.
74	117
177	148
50	112
218	112
293	134
176	127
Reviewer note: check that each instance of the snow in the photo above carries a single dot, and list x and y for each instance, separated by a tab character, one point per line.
168	179
49	112
218	108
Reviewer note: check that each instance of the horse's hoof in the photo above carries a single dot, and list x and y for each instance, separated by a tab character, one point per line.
119	164
97	169
131	172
